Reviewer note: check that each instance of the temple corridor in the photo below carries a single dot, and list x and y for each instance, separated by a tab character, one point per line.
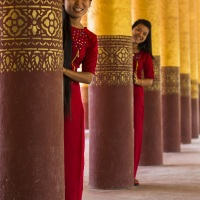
31	102
177	179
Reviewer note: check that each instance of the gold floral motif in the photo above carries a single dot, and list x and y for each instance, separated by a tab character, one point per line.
112	78
30	35
32	23
157	76
51	23
114	64
170	80
14	23
28	2
34	27
27	60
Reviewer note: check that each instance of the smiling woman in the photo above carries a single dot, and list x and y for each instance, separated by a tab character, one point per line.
80	48
76	9
143	76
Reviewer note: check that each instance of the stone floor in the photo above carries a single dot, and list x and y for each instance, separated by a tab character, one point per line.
177	179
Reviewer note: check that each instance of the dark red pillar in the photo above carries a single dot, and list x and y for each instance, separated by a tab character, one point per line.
152	147
195	109
199	107
195	118
171	109
31	108
186	127
111	116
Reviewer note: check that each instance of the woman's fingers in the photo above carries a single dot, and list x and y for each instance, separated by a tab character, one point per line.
135	77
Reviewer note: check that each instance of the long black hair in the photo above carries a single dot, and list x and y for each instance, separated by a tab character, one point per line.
67	47
147	44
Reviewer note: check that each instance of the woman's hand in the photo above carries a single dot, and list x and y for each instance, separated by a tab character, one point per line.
135	79
142	82
82	77
64	71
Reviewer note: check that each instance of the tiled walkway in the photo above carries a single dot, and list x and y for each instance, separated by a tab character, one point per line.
177	179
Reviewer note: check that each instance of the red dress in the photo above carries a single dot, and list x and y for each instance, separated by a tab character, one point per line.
84	51
145	67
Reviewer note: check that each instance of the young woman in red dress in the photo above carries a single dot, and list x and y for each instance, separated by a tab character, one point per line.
143	76
80	48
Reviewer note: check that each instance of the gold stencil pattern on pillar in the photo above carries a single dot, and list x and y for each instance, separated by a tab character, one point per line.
185	85
171	80
194	89
30	35
114	64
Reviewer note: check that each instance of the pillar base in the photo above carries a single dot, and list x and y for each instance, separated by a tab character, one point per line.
195	118
152	147
111	137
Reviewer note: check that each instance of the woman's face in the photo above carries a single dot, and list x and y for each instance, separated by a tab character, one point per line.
77	8
139	33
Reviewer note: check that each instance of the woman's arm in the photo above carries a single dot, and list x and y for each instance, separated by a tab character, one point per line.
82	77
142	82
148	72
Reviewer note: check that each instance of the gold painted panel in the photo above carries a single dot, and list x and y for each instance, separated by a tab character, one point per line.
184	36
193	40
114	65
170	52
198	37
30	35
111	17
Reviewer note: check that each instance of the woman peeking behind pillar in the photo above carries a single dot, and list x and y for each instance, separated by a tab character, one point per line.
143	75
80	48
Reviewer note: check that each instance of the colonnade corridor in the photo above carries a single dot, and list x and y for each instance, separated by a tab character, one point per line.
177	179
